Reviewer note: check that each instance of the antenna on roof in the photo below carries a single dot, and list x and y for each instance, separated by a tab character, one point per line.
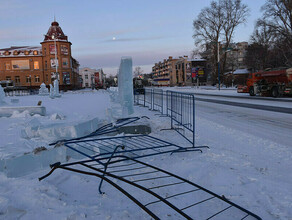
54	17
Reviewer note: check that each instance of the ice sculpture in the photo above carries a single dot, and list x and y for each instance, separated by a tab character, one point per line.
51	91
56	88
43	90
2	95
125	84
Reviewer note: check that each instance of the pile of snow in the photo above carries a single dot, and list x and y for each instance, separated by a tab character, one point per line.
245	167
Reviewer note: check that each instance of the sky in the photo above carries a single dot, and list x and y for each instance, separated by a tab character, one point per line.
102	31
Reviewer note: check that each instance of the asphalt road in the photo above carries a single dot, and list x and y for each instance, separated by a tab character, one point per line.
246	105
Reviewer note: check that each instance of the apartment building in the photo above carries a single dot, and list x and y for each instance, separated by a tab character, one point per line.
178	71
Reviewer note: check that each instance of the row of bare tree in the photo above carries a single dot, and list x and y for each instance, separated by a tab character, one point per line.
270	44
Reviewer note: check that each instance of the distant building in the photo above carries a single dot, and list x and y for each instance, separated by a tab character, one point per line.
92	78
236	56
163	73
29	66
179	71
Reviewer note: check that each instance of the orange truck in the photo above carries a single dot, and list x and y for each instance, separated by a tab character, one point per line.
268	83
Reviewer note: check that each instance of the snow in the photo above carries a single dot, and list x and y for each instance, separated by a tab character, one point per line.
249	160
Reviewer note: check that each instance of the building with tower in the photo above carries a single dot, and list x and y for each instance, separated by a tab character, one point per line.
29	66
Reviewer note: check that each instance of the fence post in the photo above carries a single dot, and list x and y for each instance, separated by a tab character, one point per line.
144	97
171	110
194	125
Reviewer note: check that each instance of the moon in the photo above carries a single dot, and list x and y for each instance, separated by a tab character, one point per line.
114	38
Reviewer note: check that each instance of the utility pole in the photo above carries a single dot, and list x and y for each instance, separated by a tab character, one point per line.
56	59
218	59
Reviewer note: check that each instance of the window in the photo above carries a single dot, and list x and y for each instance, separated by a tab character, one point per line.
37	78
28	79
26	52
7	66
86	84
65	63
47	77
8	77
46	65
86	76
45	51
15	52
36	65
17	80
35	52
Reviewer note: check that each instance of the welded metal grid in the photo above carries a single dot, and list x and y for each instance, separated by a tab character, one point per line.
183	114
135	146
148	98
158	100
159	193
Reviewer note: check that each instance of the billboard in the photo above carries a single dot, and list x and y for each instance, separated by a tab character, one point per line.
64	49
97	80
197	72
53	76
20	64
52	49
66	78
54	62
194	72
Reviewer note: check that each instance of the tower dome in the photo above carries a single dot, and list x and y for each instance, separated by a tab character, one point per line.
55	32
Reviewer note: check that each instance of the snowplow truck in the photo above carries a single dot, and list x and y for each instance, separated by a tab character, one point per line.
268	83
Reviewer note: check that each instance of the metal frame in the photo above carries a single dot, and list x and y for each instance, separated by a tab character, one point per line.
136	145
180	107
157	100
148	98
105	129
183	114
158	192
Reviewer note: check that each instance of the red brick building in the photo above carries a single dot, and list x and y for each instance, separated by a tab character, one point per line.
30	66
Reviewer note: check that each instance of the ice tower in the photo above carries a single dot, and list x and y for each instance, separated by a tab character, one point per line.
125	84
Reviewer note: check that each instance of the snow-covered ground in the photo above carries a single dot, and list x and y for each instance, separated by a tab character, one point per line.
249	160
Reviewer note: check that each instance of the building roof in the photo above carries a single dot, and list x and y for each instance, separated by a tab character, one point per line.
240	71
56	31
21	51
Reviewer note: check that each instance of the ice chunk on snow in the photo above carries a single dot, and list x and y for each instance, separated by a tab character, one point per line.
60	131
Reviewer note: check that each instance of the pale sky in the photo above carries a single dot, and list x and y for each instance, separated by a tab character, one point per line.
102	31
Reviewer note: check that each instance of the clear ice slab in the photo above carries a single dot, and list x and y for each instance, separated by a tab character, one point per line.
125	84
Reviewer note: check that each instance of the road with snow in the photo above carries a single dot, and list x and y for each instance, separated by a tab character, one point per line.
266	118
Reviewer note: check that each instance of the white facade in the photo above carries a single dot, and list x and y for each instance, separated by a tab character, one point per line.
88	77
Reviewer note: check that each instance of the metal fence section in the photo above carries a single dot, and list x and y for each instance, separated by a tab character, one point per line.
157	100
180	107
148	98
182	115
168	103
159	193
135	145
139	97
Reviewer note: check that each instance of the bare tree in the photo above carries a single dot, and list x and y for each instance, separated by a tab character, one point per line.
235	13
138	71
277	16
207	30
218	23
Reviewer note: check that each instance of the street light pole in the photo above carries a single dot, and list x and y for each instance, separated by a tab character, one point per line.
218	59
56	61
